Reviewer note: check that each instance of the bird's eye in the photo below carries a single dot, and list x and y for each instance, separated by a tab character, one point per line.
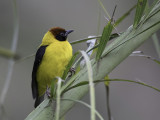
62	34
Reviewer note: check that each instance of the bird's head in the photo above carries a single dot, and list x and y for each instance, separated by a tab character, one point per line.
55	34
60	33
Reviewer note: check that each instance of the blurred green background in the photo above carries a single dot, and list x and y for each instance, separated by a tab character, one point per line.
128	101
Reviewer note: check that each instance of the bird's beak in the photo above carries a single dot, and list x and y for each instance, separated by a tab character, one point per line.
68	32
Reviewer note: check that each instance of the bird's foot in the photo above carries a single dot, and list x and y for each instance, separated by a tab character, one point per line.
48	93
71	71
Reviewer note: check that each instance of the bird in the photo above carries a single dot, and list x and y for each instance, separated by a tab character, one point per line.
51	59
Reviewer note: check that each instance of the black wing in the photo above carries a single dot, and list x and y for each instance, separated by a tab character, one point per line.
38	59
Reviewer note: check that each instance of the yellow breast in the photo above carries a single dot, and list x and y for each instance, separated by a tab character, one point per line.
56	57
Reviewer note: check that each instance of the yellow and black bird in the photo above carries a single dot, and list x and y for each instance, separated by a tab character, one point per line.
51	59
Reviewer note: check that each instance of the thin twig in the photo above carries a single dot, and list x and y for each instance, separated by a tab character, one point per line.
25	58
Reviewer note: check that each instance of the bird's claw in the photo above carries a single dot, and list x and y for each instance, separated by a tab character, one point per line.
48	93
71	71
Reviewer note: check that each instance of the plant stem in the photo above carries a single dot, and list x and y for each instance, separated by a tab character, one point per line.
108	105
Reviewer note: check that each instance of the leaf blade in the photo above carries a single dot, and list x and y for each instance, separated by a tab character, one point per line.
112	80
104	39
69	65
141	4
58	95
91	85
87	105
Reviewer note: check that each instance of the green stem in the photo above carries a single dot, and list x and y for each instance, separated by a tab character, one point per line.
108	105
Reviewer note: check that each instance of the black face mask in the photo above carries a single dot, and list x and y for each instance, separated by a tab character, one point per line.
63	35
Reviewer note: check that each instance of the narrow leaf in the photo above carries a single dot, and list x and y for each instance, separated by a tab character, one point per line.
101	4
77	85
104	39
156	61
107	102
106	83
111	80
24	58
58	95
83	40
130	38
152	6
146	56
141	4
91	85
149	11
69	65
53	88
85	104
114	35
147	8
33	115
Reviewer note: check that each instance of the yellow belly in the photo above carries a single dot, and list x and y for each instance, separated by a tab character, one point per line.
56	57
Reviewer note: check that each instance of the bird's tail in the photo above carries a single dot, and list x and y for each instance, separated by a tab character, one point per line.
38	100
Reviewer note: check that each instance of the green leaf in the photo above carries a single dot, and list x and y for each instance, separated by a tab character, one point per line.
150	8
58	96
157	61
149	11
107	102
102	6
87	105
91	85
111	80
141	4
114	35
124	16
130	38
53	88
83	40
146	56
104	39
77	85
24	58
43	108
69	65
106	83
147	8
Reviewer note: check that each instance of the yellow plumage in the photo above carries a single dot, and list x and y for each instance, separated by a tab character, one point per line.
56	57
51	60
